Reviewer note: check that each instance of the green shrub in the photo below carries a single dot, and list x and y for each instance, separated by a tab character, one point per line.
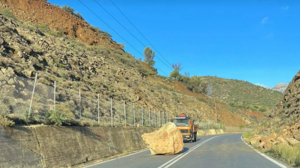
27	117
5	122
68	9
248	135
57	118
145	72
201	99
242	126
175	74
262	109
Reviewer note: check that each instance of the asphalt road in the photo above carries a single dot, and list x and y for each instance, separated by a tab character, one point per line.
208	152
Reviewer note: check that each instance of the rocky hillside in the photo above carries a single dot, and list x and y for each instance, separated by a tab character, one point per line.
243	94
109	72
280	87
39	12
281	134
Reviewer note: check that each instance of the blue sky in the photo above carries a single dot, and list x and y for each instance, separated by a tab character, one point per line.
256	41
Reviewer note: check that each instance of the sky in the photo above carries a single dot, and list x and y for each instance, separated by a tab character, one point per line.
255	41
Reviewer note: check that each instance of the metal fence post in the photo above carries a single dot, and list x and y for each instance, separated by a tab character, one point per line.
32	94
98	110
133	116
149	119
142	116
159	121
54	95
79	104
155	118
125	113
111	113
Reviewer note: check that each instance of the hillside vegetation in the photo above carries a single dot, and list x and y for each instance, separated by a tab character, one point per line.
243	94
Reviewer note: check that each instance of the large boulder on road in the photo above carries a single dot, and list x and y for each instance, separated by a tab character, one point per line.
167	140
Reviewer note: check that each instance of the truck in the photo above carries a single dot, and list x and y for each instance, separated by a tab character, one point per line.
186	126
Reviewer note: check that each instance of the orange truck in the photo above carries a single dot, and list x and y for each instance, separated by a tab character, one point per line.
186	126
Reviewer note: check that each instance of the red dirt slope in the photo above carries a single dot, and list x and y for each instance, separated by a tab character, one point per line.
39	12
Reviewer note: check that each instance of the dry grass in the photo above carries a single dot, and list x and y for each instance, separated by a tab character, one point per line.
287	153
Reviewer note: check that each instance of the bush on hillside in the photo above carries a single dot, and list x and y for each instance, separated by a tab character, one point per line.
5	122
57	118
175	74
71	11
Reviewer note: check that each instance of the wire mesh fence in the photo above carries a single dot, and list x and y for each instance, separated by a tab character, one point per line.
20	96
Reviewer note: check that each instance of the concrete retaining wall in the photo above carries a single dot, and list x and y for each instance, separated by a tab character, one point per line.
50	146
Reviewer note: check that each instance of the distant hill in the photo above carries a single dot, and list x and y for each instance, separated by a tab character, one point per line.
243	94
280	87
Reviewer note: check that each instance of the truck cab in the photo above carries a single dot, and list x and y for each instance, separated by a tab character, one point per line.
186	127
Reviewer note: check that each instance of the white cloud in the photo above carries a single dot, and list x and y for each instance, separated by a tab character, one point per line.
262	85
285	8
264	20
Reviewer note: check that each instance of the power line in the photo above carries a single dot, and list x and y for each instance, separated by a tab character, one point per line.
128	30
139	31
115	31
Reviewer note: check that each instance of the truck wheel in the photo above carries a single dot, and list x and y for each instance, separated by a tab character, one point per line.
195	137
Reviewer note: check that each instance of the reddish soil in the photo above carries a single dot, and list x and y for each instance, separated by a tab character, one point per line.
256	114
39	12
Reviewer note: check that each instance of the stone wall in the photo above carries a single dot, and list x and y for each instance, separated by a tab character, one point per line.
50	146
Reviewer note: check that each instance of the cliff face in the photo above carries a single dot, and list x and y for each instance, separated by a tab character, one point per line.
38	12
288	109
282	130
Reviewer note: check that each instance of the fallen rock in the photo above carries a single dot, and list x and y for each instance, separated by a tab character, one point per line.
255	140
292	141
282	140
167	140
297	136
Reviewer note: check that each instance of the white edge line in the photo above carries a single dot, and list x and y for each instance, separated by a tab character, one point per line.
184	154
267	157
116	158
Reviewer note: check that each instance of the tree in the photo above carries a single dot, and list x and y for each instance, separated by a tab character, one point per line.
78	15
149	56
177	67
121	45
175	74
187	74
68	9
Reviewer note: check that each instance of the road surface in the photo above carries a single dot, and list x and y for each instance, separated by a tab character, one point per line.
216	151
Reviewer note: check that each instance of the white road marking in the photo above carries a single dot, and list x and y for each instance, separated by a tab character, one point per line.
116	158
267	157
177	158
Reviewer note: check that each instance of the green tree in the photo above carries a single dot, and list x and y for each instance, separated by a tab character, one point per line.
78	15
149	56
175	74
68	9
